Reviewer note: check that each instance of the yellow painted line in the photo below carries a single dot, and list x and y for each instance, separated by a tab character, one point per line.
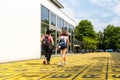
91	66
91	76
28	76
60	76
114	76
7	75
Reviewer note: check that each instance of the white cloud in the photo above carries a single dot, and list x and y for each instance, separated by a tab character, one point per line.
102	3
73	9
93	1
80	17
98	25
73	2
113	6
104	15
69	11
115	21
116	9
116	1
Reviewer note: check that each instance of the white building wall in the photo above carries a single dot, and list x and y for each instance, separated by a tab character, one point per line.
20	28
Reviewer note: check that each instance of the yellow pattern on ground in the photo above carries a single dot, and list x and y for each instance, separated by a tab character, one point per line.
89	66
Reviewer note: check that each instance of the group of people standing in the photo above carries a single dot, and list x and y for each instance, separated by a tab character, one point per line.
60	46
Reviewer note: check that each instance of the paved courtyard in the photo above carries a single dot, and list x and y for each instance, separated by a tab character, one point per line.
89	66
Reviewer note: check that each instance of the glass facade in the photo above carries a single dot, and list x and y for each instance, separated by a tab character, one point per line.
62	23
45	15
53	19
44	28
59	22
44	20
55	23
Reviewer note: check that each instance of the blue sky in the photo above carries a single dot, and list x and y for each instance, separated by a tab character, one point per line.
99	12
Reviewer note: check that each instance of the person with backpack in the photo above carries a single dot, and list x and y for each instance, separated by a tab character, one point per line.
47	41
62	45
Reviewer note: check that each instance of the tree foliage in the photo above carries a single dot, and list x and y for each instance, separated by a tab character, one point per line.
84	28
85	32
90	43
100	40
111	38
108	39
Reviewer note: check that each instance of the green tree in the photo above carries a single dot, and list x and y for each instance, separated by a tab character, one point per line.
100	40
84	28
90	43
111	37
85	32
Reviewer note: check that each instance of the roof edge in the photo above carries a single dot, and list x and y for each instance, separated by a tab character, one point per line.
58	4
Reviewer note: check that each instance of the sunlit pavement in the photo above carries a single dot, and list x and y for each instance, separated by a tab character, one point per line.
89	66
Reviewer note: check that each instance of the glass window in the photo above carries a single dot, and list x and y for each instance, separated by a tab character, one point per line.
62	23
58	22
44	28
44	14
53	34
69	28
53	19
72	30
65	26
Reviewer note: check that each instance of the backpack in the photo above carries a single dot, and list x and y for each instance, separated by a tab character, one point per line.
46	41
62	44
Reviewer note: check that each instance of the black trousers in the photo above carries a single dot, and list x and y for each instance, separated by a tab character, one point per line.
48	52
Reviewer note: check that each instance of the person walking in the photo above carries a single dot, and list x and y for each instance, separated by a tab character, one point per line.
47	41
62	45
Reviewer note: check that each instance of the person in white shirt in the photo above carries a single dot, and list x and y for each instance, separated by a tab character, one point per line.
63	35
